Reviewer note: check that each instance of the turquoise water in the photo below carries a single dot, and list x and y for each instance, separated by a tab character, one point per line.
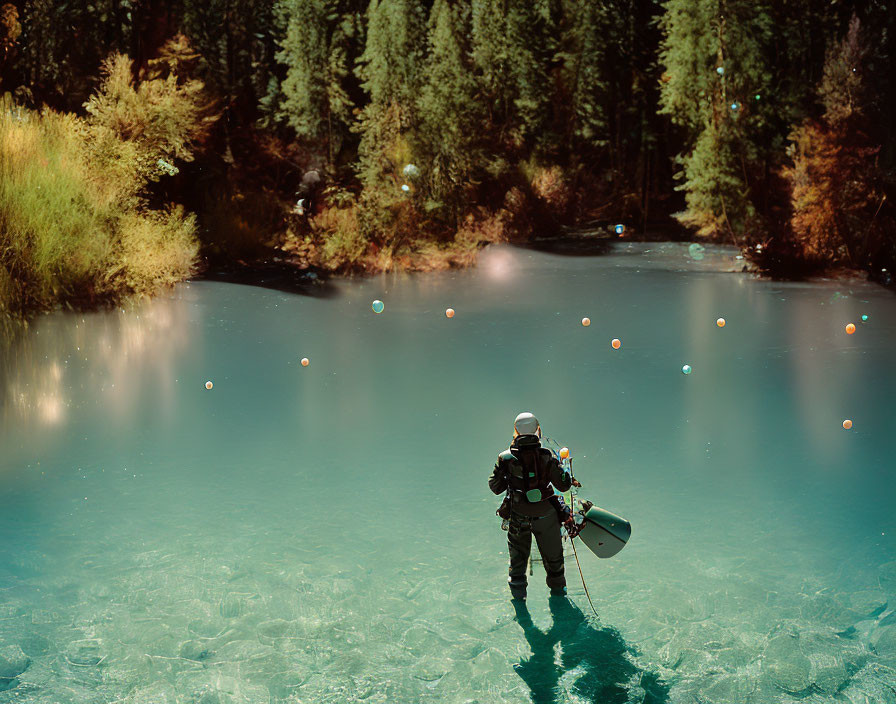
325	533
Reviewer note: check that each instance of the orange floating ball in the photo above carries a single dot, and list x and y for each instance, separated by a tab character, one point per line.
208	384
586	322
720	322
616	343
305	361
564	453
850	329
847	424
449	313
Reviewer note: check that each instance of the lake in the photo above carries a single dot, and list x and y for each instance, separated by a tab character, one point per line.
326	534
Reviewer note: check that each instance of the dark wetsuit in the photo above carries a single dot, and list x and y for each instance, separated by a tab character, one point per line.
530	471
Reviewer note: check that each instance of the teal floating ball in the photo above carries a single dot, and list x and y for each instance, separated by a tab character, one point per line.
696	251
720	70
686	369
757	96
864	318
378	306
620	229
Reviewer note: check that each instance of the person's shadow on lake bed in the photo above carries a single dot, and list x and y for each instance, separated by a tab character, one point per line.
598	654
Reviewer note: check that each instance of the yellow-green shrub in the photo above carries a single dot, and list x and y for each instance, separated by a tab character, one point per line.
73	225
343	243
159	118
155	250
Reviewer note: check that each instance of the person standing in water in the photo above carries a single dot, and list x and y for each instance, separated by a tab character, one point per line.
529	473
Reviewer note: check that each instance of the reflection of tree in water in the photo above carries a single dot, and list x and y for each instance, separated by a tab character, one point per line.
45	365
598	655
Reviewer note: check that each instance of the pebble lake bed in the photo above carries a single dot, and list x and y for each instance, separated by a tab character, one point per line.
324	532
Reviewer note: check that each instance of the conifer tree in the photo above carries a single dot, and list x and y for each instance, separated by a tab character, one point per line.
318	47
237	46
63	44
390	71
449	111
713	54
513	49
584	64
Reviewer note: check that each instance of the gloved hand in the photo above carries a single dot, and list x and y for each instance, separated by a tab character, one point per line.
572	528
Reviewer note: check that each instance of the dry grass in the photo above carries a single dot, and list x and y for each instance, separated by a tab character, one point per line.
72	226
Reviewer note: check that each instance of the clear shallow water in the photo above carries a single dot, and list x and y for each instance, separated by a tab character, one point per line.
325	534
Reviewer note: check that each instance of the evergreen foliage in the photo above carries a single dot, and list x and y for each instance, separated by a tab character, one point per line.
390	74
450	114
318	50
237	46
714	57
513	51
512	113
584	75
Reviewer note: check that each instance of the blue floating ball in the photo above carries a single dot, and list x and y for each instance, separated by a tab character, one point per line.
720	70
620	229
686	369
735	106
864	318
378	306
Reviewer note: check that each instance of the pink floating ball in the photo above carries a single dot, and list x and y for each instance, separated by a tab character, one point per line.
305	361
616	343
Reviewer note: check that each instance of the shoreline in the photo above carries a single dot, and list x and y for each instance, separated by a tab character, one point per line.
283	272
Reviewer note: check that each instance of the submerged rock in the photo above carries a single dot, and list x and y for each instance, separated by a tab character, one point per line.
34	644
871	685
883	640
206	628
827	610
275	628
868	603
85	653
13	662
832	659
785	665
828	671
195	650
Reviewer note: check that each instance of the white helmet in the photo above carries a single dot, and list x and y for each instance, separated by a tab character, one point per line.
526	424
